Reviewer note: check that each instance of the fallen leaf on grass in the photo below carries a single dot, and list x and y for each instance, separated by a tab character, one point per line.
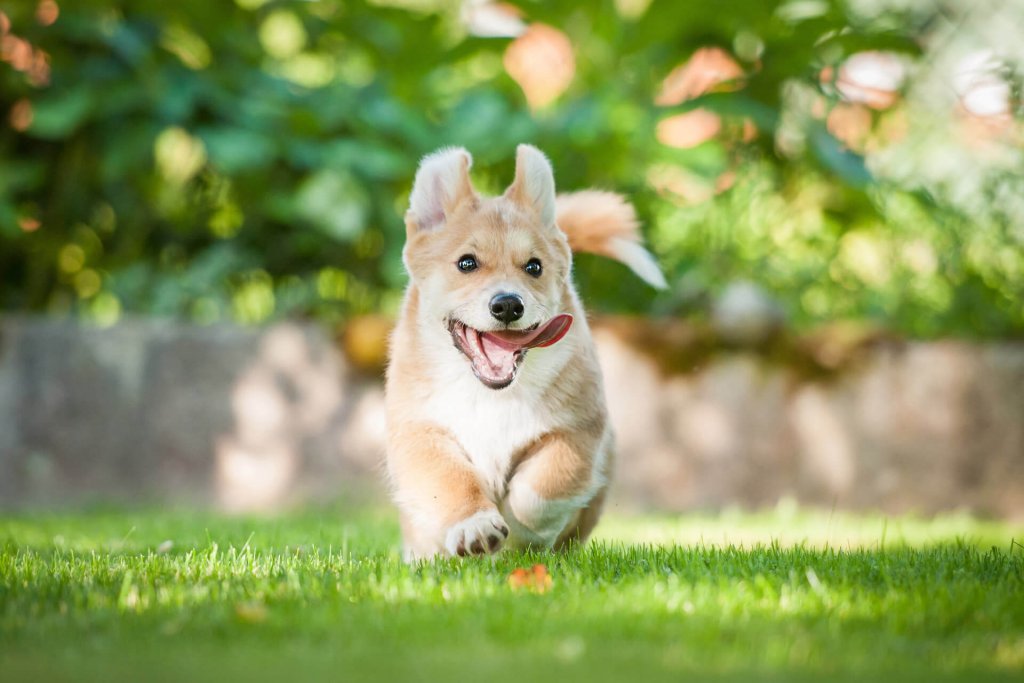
535	579
251	612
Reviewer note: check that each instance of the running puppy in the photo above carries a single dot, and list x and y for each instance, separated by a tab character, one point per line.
497	428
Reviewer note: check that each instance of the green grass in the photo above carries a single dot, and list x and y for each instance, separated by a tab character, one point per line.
783	595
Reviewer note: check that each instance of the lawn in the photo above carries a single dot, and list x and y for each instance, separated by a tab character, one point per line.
787	594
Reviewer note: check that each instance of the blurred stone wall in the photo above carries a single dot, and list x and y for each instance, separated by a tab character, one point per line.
239	418
255	419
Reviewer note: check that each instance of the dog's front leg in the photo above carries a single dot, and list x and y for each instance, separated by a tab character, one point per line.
555	480
444	509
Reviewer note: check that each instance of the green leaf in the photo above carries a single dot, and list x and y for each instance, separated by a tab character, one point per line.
57	116
846	164
234	150
370	159
335	202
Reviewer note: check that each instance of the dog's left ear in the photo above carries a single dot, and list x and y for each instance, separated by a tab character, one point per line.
534	186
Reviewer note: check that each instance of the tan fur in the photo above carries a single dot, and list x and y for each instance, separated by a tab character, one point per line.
470	465
591	219
604	223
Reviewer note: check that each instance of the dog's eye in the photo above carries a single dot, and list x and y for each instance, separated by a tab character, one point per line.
467	263
533	267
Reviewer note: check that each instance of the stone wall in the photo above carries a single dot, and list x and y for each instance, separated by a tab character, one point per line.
911	427
144	411
244	419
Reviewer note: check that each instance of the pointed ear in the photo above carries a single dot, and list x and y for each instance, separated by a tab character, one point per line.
534	186
442	183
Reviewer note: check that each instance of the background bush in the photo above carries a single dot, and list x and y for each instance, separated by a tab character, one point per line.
251	160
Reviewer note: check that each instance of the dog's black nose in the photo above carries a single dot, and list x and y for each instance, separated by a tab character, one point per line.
507	308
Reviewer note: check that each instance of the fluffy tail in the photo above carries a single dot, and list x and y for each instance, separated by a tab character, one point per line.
605	223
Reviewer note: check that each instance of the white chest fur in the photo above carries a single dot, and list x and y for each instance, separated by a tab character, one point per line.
493	425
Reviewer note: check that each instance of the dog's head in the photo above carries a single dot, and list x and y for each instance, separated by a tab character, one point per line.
493	272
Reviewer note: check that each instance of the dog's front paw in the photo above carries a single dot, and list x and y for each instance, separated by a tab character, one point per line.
478	534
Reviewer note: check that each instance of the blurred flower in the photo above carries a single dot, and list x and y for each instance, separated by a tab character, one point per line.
726	180
688	130
21	115
850	124
984	95
47	12
39	71
871	78
486	19
749	130
28	224
22	56
16	52
708	68
542	63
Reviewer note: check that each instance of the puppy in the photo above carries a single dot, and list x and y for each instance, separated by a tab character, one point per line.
497	428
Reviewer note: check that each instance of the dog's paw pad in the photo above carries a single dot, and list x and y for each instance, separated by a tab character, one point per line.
482	533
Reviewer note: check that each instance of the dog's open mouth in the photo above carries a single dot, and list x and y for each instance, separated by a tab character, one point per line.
496	355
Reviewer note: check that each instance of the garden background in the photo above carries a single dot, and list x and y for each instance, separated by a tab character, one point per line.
820	423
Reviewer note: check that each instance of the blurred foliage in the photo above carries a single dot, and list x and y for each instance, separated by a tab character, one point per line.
250	160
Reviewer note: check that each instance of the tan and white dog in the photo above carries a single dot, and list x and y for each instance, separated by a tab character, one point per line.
497	427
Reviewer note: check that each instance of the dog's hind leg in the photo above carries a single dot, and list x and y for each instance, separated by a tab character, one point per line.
586	519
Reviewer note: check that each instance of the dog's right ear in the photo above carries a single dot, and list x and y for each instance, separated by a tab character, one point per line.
442	183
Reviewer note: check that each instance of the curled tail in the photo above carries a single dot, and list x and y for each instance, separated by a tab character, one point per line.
605	223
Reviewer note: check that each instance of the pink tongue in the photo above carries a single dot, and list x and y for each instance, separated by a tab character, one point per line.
545	335
498	348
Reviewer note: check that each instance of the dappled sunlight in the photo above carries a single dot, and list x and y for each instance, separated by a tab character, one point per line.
888	425
982	90
788	525
708	431
488	19
824	444
254	166
179	155
797	168
253	477
302	426
281	397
